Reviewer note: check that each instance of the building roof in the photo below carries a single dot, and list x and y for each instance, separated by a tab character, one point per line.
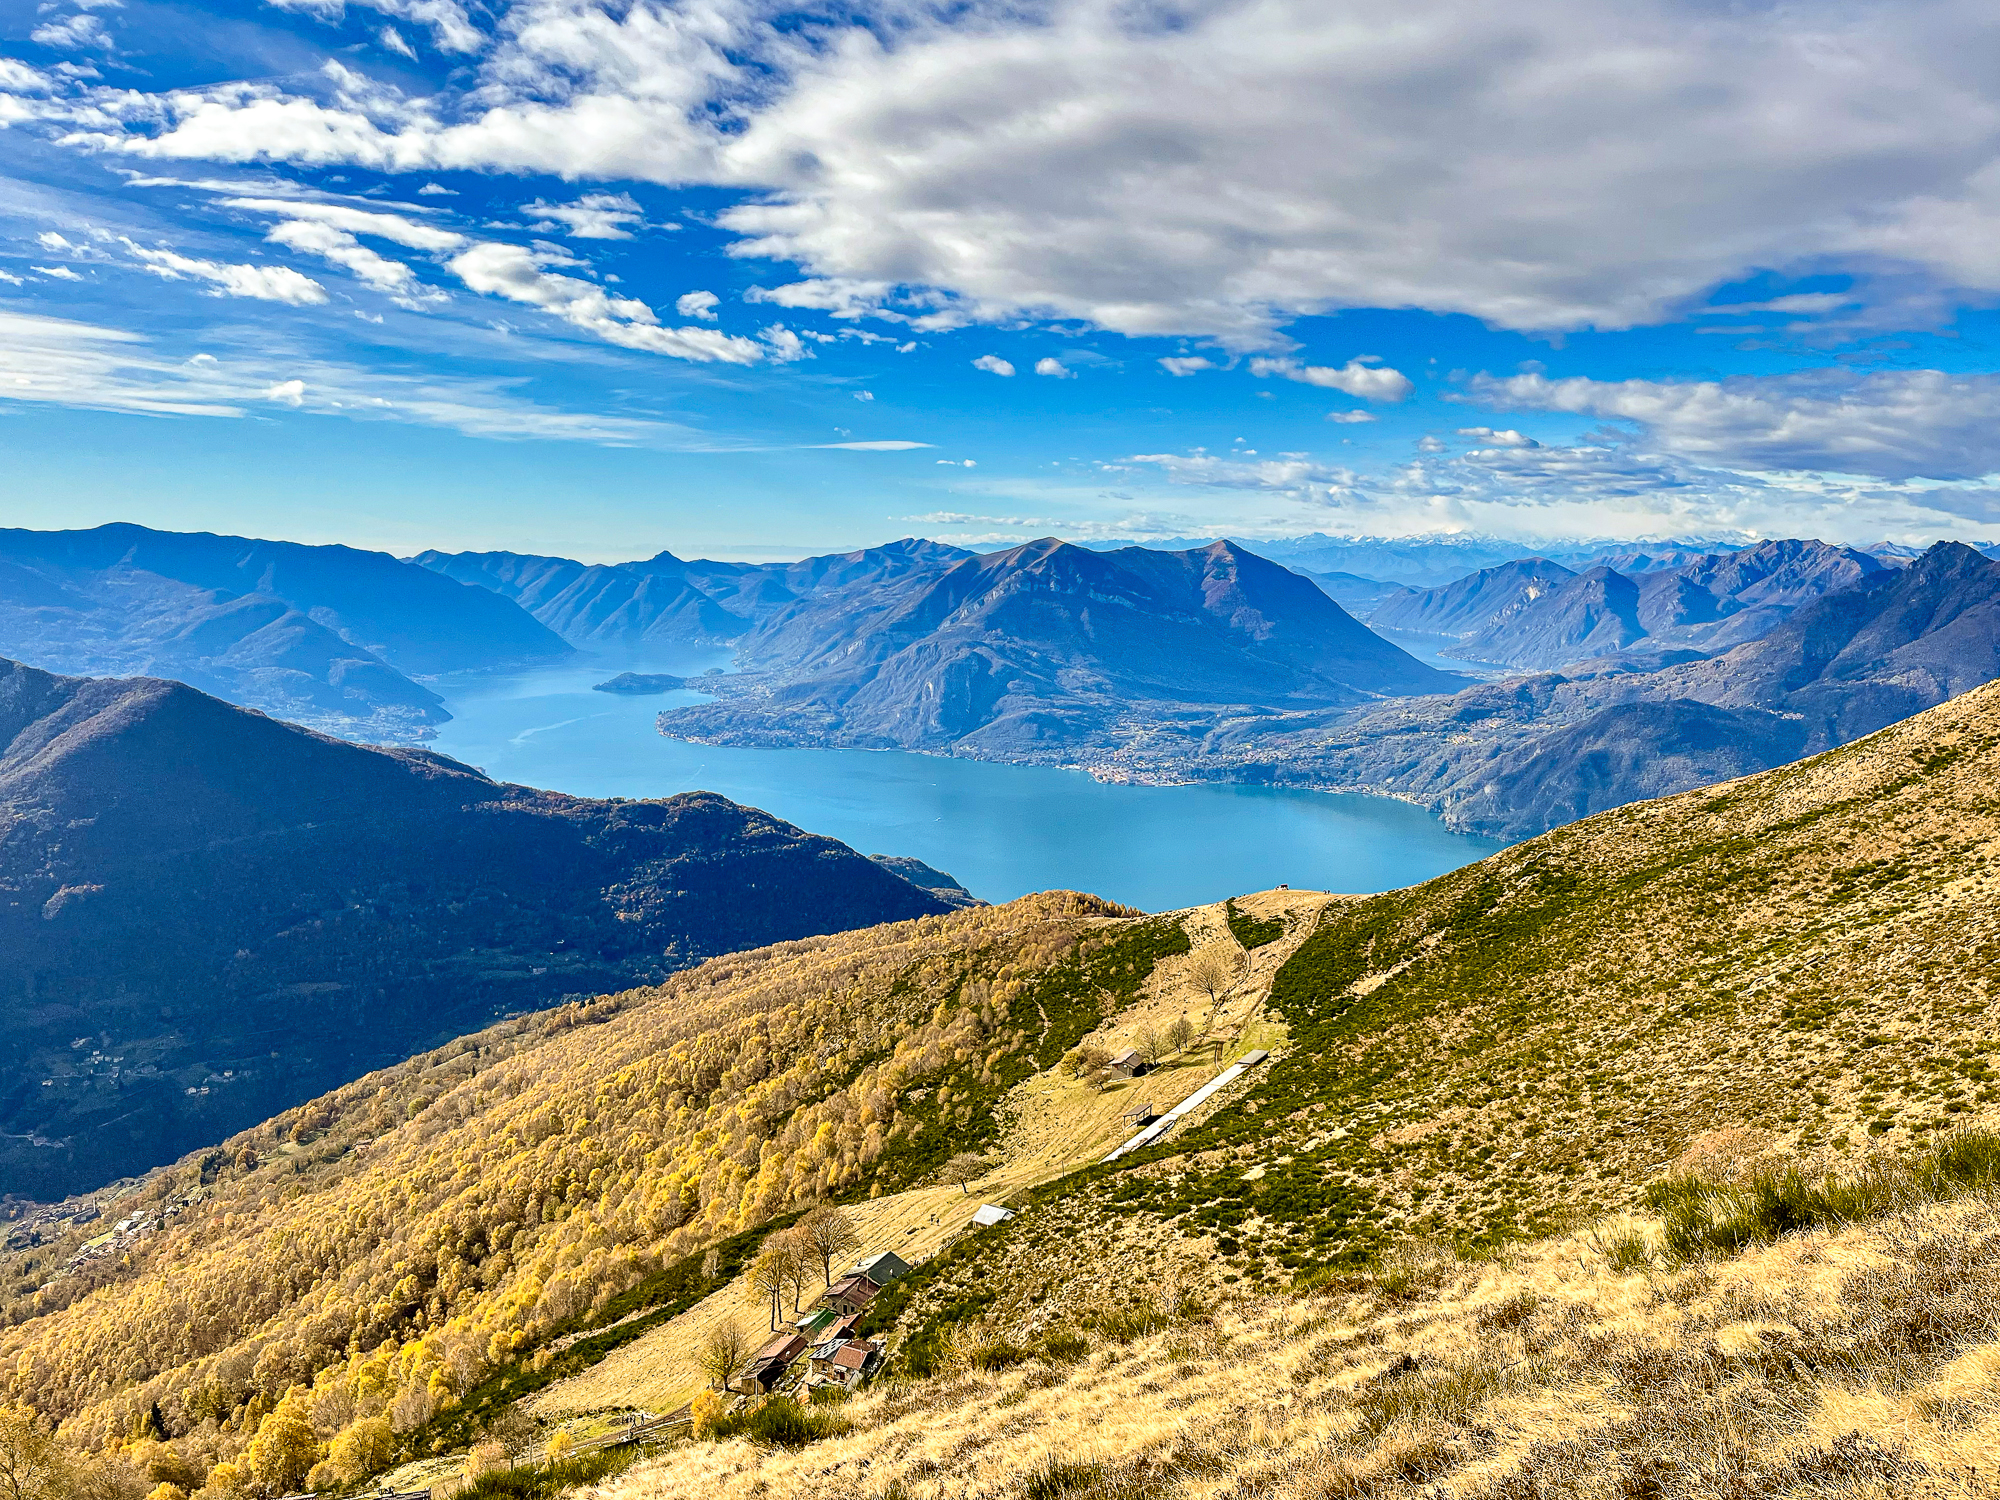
1126	1058
786	1346
851	1356
989	1214
1251	1059
851	1288
883	1267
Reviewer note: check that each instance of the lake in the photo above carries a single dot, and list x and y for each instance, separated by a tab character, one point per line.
1001	830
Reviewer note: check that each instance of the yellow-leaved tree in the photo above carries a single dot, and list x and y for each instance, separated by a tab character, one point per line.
285	1447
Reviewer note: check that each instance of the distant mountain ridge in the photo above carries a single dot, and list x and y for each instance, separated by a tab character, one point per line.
1538	614
328	636
206	914
1044	644
1515	757
667	602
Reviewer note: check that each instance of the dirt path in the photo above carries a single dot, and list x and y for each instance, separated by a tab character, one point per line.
1052	1124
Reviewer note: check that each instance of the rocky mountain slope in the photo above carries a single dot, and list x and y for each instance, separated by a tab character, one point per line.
1625	1020
327	636
1471	605
1539	615
207	915
665	602
1048	646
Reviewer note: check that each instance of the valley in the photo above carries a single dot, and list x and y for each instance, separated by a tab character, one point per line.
1473	1085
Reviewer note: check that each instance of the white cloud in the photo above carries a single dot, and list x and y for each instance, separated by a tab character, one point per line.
61	362
993	364
1055	368
781	344
60	273
263	283
1185	364
72	33
1548	165
697	305
838	298
886	445
1365	379
516	274
436	190
595	216
864	395
392	39
1350	417
1498	437
342	249
397	228
447	19
1895	425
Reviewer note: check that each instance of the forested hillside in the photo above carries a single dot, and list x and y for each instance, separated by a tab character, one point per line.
385	1247
207	915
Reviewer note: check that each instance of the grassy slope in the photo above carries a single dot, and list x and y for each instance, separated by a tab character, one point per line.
1793	968
411	1242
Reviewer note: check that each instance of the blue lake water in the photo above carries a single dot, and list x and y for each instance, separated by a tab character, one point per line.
1001	830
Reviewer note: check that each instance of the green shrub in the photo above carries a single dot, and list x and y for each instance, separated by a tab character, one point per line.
781	1422
998	1355
546	1481
1701	1216
1252	932
1054	1478
1064	1346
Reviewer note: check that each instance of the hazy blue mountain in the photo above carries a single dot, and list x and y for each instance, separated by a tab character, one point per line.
1357	595
1710	603
1047	647
1472	604
329	636
209	915
1514	757
1587	614
665	601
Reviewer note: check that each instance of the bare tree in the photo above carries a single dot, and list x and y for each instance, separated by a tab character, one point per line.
1212	971
797	1264
1150	1045
724	1353
965	1169
829	1234
1180	1031
767	1278
1098	1078
1085	1059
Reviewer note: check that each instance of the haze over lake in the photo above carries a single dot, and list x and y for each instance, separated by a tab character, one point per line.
1001	830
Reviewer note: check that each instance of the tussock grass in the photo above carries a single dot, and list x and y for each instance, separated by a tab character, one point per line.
1831	1334
780	1422
1700	1215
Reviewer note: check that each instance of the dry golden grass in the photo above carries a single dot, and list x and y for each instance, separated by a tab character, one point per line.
1055	1123
1854	1362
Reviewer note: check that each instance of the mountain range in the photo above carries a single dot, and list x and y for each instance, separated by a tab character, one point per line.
330	636
1514	757
665	602
207	914
1049	645
1537	614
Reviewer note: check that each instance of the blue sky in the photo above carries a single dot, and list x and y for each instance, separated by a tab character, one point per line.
740	279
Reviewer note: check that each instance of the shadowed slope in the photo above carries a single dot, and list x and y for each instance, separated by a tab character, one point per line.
228	913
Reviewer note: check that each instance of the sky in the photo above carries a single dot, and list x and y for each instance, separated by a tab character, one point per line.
751	280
